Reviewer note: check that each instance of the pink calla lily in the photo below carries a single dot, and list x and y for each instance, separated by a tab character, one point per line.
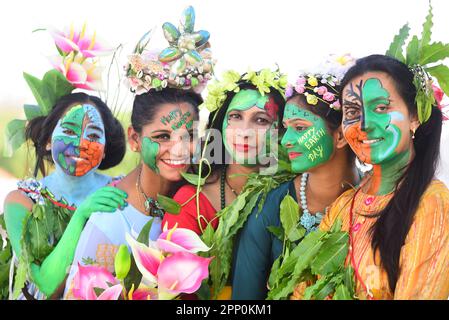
89	277
180	240
79	72
147	259
182	272
71	40
142	293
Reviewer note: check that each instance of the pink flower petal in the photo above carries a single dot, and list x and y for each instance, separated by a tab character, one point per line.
145	293
111	293
183	272
147	259
181	239
88	277
76	74
63	42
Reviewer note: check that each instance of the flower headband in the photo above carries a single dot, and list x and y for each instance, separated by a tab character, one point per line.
263	80
75	66
186	64
328	75
419	54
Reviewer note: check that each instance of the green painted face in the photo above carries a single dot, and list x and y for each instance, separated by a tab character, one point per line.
150	149
308	147
369	128
242	101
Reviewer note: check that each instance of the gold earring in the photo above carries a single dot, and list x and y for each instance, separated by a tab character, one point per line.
413	134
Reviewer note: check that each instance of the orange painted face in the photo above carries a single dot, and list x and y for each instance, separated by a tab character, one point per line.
78	141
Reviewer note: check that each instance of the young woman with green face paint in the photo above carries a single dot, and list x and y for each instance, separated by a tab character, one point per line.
161	131
320	156
397	218
80	135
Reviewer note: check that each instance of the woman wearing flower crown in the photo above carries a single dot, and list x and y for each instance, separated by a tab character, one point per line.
161	132
324	163
398	218
245	114
44	218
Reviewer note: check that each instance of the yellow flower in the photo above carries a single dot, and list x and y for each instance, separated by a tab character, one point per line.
312	81
312	99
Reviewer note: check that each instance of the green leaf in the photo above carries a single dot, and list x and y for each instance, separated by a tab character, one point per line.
14	136
395	49
193	178
273	272
98	291
168	204
144	235
332	254
320	290
426	29
412	51
296	234
134	276
441	73
336	226
57	84
203	293
20	276
32	111
434	52
289	214
44	97
342	293
278	232
348	280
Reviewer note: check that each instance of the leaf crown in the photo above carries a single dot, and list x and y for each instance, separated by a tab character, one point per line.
263	80
421	56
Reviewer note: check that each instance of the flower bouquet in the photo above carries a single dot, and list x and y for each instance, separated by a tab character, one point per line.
153	270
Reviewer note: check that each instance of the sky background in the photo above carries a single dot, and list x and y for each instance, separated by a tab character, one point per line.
244	33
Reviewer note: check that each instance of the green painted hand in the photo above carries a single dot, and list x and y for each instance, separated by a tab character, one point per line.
106	199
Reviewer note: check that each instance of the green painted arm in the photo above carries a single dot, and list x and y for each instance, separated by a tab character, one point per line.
51	273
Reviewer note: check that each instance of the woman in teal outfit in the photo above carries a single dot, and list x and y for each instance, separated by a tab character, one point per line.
317	149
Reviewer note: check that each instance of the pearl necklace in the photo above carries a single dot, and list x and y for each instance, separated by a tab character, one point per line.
308	221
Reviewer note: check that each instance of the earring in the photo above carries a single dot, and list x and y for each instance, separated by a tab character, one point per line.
48	147
413	134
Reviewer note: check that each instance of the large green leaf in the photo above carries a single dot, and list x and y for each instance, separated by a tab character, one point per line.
332	254
32	111
57	84
44	97
434	52
14	136
168	204
342	293
441	73
395	49
412	51
289	214
426	29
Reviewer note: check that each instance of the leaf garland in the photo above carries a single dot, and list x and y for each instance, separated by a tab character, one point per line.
419	53
43	228
232	219
5	262
318	258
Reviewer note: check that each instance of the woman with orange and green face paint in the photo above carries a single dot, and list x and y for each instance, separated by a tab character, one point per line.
323	162
397	219
44	218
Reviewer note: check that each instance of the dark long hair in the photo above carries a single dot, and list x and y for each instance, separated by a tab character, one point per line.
217	118
394	222
40	129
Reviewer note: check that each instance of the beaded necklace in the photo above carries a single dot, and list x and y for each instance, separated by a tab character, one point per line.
223	180
308	221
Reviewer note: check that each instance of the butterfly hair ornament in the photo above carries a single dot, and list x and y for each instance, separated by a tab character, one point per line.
186	63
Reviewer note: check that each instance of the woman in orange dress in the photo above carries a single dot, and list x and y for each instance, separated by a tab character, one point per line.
398	218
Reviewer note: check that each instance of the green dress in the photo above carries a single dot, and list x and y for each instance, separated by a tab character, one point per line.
257	248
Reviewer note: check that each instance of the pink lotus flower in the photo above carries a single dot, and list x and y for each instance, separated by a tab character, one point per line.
329	96
181	272
89	277
79	72
70	40
180	240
